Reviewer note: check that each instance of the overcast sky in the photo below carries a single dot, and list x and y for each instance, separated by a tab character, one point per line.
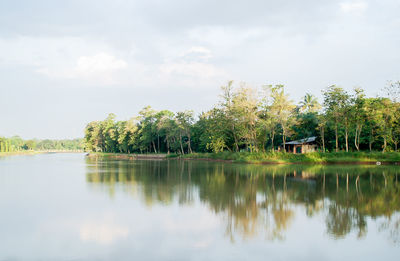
66	63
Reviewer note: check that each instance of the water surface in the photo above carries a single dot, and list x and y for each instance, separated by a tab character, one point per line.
70	207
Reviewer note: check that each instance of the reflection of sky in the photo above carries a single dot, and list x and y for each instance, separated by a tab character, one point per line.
48	212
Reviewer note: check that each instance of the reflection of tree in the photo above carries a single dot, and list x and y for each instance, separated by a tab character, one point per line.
341	220
392	227
254	199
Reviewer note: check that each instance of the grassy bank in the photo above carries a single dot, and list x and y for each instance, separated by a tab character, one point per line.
23	152
273	157
128	156
316	157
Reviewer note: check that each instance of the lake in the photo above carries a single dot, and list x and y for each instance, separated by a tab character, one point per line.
71	207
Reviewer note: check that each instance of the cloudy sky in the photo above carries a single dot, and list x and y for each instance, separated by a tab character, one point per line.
65	63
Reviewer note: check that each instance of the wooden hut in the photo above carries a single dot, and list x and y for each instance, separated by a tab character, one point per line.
302	146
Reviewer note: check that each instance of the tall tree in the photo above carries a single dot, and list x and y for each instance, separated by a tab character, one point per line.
245	110
184	122
282	109
357	114
227	106
309	104
336	104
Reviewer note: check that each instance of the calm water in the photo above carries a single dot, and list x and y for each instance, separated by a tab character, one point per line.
70	207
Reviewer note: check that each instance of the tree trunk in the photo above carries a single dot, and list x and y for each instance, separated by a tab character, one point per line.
370	140
236	143
357	136
346	134
272	139
355	139
180	141
189	146
234	137
336	137
284	139
158	141
154	147
167	144
384	144
323	138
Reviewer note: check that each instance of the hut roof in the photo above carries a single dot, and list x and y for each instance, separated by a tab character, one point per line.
302	141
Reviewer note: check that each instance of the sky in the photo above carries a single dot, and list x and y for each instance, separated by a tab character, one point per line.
66	63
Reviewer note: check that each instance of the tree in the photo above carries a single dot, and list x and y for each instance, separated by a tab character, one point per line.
267	122
392	90
227	106
30	144
309	104
184	123
282	109
110	133
245	110
336	104
167	127
147	129
357	114
322	121
386	121
127	138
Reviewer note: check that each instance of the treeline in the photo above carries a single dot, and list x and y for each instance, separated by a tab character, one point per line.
258	120
16	143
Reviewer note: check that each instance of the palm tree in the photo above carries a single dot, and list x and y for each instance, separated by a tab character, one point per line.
309	103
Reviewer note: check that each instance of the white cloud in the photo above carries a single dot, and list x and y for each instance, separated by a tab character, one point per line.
64	58
99	68
192	69
99	63
197	52
353	7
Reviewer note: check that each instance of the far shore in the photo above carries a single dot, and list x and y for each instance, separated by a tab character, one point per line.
34	152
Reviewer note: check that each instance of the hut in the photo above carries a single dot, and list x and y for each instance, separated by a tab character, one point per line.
302	146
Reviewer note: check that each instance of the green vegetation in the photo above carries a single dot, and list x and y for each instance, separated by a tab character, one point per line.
16	145
251	124
315	157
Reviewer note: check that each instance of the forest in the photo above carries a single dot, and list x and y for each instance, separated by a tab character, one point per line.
248	119
16	143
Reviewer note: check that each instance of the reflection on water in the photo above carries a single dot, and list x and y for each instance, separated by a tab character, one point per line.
70	207
255	199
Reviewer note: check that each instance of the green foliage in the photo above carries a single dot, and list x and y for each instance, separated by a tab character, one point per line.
315	157
247	119
16	144
216	145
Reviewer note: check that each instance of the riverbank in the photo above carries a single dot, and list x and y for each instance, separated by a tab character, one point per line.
273	157
34	152
310	158
24	152
129	156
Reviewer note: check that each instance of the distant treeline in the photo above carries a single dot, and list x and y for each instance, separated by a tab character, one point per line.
16	143
254	120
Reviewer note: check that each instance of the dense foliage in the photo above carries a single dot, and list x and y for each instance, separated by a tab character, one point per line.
258	120
16	143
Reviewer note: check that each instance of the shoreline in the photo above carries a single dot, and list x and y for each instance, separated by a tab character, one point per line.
341	158
16	153
35	152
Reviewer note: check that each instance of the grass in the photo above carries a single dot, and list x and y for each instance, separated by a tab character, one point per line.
23	152
278	157
315	157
